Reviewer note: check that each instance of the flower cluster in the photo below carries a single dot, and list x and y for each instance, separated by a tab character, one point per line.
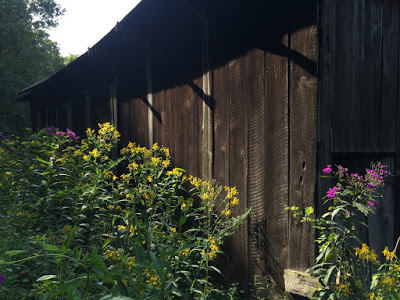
373	178
366	254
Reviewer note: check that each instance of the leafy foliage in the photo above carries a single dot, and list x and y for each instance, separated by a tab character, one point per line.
27	54
73	227
346	271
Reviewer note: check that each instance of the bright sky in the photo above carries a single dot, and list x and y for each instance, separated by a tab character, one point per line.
85	22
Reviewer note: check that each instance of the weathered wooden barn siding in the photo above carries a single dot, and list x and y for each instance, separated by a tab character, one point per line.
359	98
237	106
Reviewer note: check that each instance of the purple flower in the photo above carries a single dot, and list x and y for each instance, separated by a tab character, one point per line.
2	277
3	137
50	131
371	203
72	135
328	169
331	193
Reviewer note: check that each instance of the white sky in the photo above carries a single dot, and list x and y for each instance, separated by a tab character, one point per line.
85	22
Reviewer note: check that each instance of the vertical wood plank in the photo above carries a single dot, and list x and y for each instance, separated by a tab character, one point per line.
397	159
221	97
302	143
207	140
256	157
376	60
356	137
276	166
325	96
149	98
390	69
221	94
341	82
125	120
238	161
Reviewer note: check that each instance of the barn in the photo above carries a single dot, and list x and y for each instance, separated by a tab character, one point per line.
258	94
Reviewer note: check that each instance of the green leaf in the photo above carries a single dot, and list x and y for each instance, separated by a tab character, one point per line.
182	221
331	273
49	247
46	277
362	208
14	252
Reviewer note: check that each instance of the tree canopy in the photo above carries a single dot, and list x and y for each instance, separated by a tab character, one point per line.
27	54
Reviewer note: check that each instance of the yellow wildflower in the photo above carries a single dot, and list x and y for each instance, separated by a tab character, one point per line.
367	254
130	262
388	254
120	227
166	151
231	192
95	152
165	163
227	213
175	171
371	295
196	182
86	157
149	178
235	201
388	282
344	288
132	230
155	146
8	173
133	166
184	252
125	178
114	178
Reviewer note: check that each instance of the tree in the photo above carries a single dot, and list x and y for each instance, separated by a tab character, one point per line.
26	54
69	59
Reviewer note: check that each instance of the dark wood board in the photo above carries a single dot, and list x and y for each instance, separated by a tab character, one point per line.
390	72
276	166
256	157
325	97
238	164
302	143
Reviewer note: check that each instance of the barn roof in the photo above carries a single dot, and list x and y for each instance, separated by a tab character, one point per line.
173	30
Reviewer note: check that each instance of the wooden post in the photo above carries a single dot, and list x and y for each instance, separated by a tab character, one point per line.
149	96
207	126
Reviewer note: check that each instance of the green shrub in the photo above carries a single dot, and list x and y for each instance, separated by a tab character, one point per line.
78	224
346	266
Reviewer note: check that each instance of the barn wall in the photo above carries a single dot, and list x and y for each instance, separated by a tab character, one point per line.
234	100
263	110
359	98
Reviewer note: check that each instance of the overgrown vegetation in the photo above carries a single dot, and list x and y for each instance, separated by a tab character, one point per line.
27	55
78	224
346	266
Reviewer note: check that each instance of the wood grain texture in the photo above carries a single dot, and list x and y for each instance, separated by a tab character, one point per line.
302	144
326	96
276	166
221	102
256	157
238	164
